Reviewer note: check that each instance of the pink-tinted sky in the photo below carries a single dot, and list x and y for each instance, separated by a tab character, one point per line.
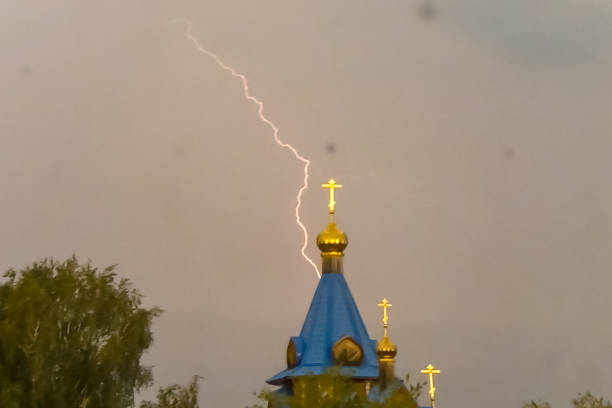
475	150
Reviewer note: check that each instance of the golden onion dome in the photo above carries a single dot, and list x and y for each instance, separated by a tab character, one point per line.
332	241
386	349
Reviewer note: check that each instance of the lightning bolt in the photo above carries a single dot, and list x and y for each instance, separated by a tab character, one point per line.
263	118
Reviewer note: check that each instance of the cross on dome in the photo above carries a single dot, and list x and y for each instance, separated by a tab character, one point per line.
385	305
432	389
332	185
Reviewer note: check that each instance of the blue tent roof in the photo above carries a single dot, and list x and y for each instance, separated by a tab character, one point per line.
333	314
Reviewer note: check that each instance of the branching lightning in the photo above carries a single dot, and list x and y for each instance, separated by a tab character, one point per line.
260	105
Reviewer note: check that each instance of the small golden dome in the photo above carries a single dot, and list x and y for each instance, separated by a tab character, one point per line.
386	349
332	241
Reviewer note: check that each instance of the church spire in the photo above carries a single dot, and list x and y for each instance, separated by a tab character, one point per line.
386	350
333	333
332	241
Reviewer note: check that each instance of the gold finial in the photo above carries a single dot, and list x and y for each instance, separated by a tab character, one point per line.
432	389
386	350
331	184
385	305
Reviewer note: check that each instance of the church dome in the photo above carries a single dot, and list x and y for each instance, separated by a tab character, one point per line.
386	349
332	241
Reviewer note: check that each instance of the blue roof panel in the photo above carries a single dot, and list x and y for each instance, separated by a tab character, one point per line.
333	314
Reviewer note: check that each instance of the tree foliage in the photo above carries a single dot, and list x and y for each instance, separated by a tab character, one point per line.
583	400
536	404
415	390
71	336
176	396
587	400
334	390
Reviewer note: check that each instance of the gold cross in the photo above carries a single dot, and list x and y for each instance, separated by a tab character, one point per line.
432	389
385	305
331	184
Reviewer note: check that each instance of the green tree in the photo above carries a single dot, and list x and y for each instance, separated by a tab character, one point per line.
335	390
584	400
536	404
587	400
415	390
71	336
176	396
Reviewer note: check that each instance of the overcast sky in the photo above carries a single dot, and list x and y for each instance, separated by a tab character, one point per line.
475	150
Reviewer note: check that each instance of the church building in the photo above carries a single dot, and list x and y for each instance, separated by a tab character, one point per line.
333	334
